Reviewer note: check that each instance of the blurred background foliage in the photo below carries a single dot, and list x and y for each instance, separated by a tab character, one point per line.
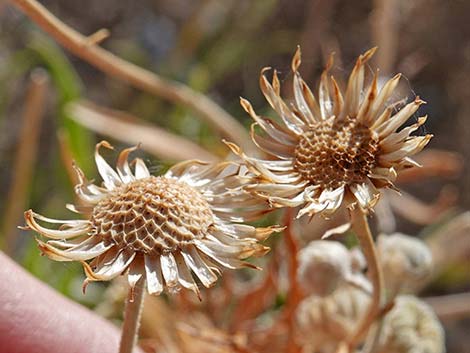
218	47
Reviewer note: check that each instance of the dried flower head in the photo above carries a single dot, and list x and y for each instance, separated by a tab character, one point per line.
340	144
326	265
323	322
406	261
411	326
157	227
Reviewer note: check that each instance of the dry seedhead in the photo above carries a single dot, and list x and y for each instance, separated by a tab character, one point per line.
158	228
333	148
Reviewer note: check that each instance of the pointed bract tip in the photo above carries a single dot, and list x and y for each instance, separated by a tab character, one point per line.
368	54
296	59
105	144
419	101
329	62
85	284
264	69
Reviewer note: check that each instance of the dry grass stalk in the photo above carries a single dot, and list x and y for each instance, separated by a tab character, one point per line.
451	307
25	156
178	93
126	128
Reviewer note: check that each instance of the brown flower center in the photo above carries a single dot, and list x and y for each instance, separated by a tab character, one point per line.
154	214
335	153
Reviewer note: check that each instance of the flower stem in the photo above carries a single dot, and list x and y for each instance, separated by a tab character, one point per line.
360	226
294	294
132	313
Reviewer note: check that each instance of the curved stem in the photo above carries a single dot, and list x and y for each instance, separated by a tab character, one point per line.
360	226
294	294
86	49
133	311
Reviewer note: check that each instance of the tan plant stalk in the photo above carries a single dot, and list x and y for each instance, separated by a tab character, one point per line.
294	294
132	314
127	128
360	226
86	49
451	307
25	155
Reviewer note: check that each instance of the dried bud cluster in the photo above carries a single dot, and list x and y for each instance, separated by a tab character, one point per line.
406	261
323	322
326	265
411	326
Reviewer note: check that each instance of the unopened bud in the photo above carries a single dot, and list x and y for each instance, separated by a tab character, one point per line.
411	326
406	261
324	322
323	266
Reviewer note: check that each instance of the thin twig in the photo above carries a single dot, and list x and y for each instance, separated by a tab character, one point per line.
132	314
419	212
25	155
385	33
451	307
129	129
435	163
360	226
450	238
134	75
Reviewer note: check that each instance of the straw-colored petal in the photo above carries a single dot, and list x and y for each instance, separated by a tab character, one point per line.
169	269
273	129
110	178
364	116
122	165
326	104
153	275
199	267
273	148
184	275
379	103
293	123
74	229
355	86
395	141
110	270
409	148
366	194
398	119
136	271
141	171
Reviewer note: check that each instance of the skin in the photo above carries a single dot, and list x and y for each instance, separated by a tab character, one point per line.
35	318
